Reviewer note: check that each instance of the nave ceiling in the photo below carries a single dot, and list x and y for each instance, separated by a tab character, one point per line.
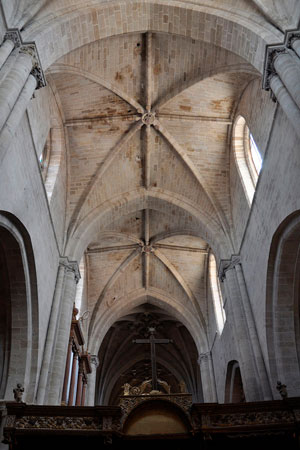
147	107
148	119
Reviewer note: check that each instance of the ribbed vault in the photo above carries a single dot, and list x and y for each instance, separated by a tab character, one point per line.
123	362
147	123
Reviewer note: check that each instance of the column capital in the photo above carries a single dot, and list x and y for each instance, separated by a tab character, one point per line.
228	264
29	48
275	50
94	360
203	358
70	266
14	35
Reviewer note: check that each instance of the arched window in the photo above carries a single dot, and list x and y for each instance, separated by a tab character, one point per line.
234	391
216	293
80	287
45	157
51	157
247	157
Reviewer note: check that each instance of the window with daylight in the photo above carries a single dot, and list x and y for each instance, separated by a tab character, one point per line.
247	157
44	158
216	293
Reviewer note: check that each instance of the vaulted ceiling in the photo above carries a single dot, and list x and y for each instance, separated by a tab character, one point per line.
148	119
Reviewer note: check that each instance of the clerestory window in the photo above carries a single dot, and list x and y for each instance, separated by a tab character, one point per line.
216	293
247	157
44	158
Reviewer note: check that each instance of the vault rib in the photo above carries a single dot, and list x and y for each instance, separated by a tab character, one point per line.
184	157
120	270
146	255
148	71
147	161
182	283
112	154
110	249
210	73
66	68
221	120
115	234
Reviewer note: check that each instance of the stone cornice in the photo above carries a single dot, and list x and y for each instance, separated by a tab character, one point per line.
71	266
228	264
204	357
29	48
273	51
94	360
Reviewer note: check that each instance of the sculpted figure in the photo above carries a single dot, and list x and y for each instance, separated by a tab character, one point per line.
281	388
18	393
126	388
165	385
182	387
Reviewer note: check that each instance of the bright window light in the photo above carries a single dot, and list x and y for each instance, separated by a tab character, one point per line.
256	156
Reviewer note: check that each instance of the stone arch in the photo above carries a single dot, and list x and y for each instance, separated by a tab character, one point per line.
242	150
104	399
58	35
283	305
21	304
234	391
106	318
209	229
230	68
175	419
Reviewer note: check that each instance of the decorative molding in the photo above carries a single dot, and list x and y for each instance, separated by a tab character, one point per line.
58	423
71	266
147	249
94	360
10	421
30	49
226	265
273	51
245	419
14	35
148	118
129	402
204	358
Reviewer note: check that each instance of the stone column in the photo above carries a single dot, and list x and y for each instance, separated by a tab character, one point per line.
79	385
16	115
73	379
67	373
91	386
207	377
20	75
50	338
5	50
286	102
245	354
296	46
289	73
83	392
282	75
255	344
12	86
63	333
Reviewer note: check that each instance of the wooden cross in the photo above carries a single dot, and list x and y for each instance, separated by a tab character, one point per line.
152	341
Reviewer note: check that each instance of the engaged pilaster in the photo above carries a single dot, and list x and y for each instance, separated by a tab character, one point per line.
91	386
207	377
72	276
250	357
20	75
282	75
